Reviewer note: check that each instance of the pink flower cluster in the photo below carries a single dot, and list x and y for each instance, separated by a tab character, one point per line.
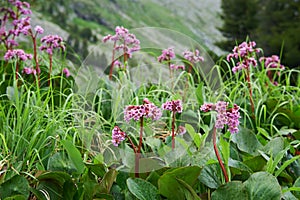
17	54
66	72
119	64
167	55
128	41
181	130
52	42
39	30
29	70
23	7
246	53
176	67
20	21
148	110
272	62
21	26
174	106
117	136
193	57
224	115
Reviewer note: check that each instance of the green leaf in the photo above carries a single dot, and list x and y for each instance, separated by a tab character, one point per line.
97	169
15	186
210	176
74	155
274	146
200	93
188	190
107	181
195	136
256	163
262	186
103	197
263	132
225	150
297	185
168	185
285	164
150	164
55	184
142	189
238	165
247	141
231	190
16	197
69	189
60	162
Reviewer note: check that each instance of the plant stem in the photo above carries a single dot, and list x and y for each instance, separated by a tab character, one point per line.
173	129
187	82
218	155
138	153
124	56
112	62
190	68
250	92
132	144
50	69
17	69
35	58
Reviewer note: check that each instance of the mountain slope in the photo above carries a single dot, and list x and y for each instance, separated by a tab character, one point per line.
196	18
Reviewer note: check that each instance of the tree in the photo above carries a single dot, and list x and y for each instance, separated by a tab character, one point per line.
240	21
279	30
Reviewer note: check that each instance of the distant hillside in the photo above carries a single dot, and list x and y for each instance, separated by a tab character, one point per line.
86	21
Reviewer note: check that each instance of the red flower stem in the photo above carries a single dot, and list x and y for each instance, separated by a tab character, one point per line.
190	68
173	129
35	57
218	155
187	82
124	56
50	68
112	62
141	134
250	92
132	144
17	69
138	153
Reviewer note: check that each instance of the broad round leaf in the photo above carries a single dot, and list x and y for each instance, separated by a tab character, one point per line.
262	186
231	190
142	189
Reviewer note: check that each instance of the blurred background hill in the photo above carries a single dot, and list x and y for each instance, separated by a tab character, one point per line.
216	24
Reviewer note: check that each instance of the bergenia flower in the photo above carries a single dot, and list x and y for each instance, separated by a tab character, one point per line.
181	130
176	67
17	54
52	42
23	7
167	55
27	70
193	57
39	30
117	136
174	106
221	108
147	109
66	72
224	115
245	52
272	62
233	116
126	41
